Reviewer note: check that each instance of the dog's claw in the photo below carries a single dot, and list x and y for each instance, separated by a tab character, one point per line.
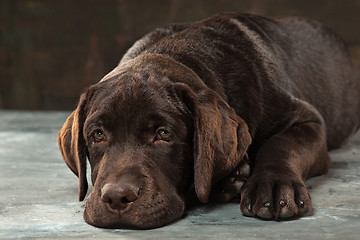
230	187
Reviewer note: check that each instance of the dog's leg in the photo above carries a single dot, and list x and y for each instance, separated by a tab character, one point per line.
276	189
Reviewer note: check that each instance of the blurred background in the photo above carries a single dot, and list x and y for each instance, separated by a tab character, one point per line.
51	51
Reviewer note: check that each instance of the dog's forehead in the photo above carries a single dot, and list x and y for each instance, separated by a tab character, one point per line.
136	89
135	97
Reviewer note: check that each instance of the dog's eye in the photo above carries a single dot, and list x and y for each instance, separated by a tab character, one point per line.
99	136
164	134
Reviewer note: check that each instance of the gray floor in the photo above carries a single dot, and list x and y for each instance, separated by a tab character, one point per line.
38	195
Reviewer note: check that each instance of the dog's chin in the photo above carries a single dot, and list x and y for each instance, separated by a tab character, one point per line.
147	212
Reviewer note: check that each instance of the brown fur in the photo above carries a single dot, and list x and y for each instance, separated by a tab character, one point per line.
283	91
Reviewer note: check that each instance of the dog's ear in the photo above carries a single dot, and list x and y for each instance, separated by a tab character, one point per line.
72	144
221	137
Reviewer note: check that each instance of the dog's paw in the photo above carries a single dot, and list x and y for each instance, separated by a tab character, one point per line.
275	197
230	187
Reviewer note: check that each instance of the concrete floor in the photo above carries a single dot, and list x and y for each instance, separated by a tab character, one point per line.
38	195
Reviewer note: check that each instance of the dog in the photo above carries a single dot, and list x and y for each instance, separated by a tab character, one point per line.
205	107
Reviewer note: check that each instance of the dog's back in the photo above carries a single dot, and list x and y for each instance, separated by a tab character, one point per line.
241	55
324	75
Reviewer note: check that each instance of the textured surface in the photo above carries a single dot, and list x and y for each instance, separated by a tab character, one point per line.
38	195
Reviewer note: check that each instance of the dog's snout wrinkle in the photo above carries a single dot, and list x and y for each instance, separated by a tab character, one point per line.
119	197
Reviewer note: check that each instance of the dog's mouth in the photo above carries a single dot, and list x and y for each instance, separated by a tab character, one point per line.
139	209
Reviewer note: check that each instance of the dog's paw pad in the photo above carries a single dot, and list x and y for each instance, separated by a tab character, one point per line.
265	212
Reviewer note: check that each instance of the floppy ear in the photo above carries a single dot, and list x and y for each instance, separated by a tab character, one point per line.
221	137
72	145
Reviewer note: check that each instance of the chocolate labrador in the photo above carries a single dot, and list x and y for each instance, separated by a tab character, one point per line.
191	106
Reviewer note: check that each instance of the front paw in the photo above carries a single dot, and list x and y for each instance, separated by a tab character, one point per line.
275	197
230	187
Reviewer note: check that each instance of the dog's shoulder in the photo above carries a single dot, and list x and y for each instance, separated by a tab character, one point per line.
149	39
221	24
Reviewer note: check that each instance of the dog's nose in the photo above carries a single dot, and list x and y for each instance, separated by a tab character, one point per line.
119	196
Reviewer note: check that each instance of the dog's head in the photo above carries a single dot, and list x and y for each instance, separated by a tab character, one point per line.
151	130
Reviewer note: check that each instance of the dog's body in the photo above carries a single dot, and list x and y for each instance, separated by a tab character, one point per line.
187	102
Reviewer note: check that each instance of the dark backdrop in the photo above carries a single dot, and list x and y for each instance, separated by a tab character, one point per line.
50	51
